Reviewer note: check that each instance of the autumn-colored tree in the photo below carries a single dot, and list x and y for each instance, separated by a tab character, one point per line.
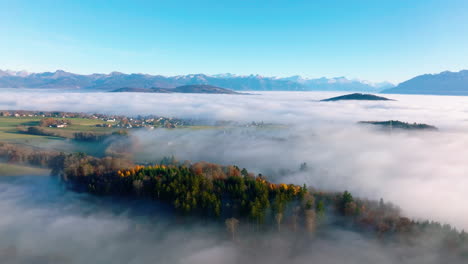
45	122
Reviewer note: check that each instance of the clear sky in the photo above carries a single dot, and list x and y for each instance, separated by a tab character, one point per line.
367	39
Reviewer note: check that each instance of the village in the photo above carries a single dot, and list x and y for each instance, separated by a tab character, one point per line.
55	119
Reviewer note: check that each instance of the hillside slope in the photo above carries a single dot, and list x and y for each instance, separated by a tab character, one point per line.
357	96
444	83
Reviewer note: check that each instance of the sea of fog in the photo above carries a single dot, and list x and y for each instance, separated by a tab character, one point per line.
425	173
42	223
302	108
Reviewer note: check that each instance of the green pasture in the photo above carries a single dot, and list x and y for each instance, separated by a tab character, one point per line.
20	170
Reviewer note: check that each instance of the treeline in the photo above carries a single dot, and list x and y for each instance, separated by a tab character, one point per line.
97	137
236	196
48	122
79	136
58	162
395	124
89	136
40	132
204	189
18	154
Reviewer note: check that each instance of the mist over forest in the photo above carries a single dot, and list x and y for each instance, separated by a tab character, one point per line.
421	172
234	132
78	228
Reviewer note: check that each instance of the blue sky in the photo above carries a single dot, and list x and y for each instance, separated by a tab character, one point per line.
366	39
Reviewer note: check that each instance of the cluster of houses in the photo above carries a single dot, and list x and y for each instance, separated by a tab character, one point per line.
118	121
139	122
59	124
16	114
55	114
111	121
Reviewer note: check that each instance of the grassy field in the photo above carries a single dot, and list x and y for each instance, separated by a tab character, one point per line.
10	129
10	133
18	170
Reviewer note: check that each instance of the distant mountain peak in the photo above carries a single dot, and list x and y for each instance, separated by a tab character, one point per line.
62	73
193	88
116	73
443	83
225	75
114	80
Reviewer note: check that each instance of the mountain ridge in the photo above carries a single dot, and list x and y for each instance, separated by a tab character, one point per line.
443	83
193	88
115	80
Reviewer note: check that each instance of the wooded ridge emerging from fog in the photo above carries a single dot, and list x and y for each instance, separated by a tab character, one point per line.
235	197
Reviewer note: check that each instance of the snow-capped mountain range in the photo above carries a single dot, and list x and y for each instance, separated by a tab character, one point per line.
114	80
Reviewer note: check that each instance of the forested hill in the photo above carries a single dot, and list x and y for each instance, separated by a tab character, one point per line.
395	124
194	88
357	96
240	199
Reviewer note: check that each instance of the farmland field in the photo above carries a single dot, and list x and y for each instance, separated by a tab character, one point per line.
18	170
11	128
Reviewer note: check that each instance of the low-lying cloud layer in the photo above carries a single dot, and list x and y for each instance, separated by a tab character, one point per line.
425	173
289	107
46	224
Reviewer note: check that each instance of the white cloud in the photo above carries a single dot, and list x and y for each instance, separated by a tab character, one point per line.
424	173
